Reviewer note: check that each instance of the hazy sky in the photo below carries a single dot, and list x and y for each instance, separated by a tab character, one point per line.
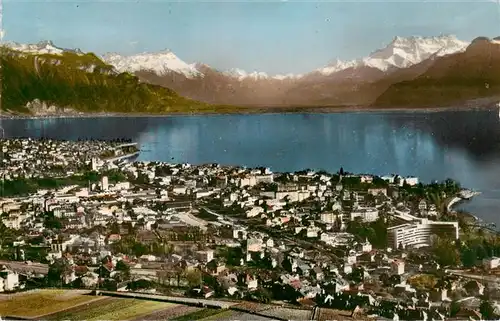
275	37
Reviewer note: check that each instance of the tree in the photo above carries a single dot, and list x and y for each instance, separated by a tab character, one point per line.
487	310
123	268
469	257
5	234
287	264
194	278
260	295
445	252
337	225
115	228
52	222
56	272
384	278
140	285
357	275
454	308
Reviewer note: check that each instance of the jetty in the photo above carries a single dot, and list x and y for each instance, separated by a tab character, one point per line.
463	195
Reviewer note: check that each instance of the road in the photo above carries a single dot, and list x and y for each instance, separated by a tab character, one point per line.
488	278
22	267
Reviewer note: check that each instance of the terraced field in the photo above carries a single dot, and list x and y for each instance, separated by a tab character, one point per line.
236	315
111	309
67	305
273	312
42	302
170	313
201	314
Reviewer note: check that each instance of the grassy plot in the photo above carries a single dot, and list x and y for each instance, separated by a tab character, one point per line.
169	313
201	314
38	303
235	315
111	309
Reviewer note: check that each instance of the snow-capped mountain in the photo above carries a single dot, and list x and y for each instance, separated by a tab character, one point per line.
338	65
288	76
402	53
43	47
241	74
160	63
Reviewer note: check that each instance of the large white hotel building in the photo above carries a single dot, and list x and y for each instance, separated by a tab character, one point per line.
417	232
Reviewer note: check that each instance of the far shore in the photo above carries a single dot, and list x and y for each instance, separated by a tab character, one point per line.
255	111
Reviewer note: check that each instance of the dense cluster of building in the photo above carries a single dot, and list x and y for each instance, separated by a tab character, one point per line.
246	230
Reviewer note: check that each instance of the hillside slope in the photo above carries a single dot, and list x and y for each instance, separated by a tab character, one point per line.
456	78
83	82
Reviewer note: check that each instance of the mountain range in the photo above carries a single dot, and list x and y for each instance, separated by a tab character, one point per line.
414	71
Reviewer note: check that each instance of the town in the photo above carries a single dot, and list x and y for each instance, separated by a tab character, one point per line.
311	244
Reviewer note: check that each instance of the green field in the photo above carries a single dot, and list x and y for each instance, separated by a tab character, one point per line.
42	302
111	309
208	314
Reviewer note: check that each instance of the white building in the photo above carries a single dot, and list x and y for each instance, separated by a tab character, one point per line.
328	218
249	180
94	164
366	247
366	214
491	263
269	178
351	258
419	234
398	267
10	279
104	183
412	181
205	256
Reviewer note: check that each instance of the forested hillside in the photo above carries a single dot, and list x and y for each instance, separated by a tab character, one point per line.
84	83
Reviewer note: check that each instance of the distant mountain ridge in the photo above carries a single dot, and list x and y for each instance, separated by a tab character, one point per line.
383	78
464	76
43	79
401	53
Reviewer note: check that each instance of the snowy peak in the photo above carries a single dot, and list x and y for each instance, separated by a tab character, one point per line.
43	47
402	53
160	63
405	52
338	65
287	77
240	74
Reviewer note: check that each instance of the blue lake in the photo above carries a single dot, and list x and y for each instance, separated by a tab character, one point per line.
463	145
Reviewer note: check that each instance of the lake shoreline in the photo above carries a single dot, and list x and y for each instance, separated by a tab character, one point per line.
457	200
254	111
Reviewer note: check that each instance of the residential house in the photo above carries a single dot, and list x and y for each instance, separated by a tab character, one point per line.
317	273
398	267
215	267
491	263
474	288
10	279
